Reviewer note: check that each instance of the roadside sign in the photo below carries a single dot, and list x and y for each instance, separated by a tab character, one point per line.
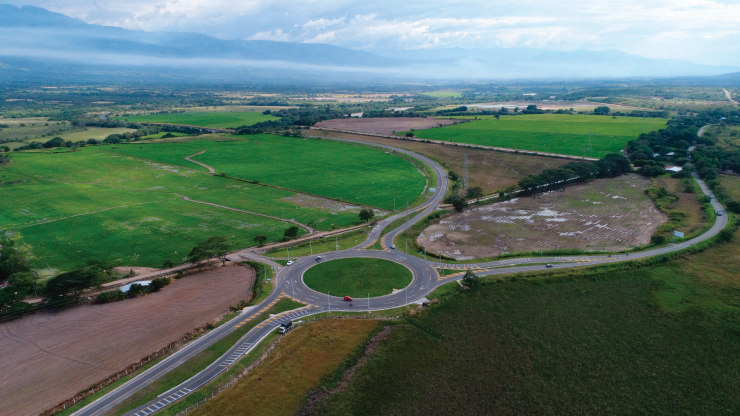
678	234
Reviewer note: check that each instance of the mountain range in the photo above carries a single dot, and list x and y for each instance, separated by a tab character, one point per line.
36	44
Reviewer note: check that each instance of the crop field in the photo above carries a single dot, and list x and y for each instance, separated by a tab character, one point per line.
159	135
300	362
357	277
384	125
550	133
488	169
355	174
50	356
94	204
206	118
656	340
98	133
605	214
443	94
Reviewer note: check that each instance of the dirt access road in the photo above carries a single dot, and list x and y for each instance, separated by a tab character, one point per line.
50	356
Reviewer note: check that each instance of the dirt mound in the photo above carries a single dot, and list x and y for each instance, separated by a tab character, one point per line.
386	125
48	357
605	214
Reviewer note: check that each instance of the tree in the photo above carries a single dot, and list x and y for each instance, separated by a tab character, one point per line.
471	280
409	134
12	260
474	193
67	287
453	175
260	239
213	247
291	232
366	214
55	142
602	111
459	203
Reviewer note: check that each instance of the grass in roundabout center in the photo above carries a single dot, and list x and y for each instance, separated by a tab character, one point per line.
357	277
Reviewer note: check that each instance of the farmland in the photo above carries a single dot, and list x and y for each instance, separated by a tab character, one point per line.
550	133
606	214
360	176
216	119
94	204
50	356
488	169
383	125
656	340
98	133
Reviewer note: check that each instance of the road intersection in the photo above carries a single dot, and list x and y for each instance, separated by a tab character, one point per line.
288	282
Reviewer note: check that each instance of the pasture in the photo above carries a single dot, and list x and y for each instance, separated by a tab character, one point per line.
348	172
94	204
218	119
550	133
98	133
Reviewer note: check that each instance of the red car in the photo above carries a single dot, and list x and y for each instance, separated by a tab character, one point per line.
348	298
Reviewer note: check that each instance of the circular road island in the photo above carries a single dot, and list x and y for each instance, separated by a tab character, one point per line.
357	277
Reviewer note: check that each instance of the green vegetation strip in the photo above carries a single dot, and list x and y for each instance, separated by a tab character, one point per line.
205	118
320	245
357	277
200	361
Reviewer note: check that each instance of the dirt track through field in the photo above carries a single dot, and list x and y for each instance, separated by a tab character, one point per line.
48	357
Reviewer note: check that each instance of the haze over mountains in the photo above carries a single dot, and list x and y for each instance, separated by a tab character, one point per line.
36	44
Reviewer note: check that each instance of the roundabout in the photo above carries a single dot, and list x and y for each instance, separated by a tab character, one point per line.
357	277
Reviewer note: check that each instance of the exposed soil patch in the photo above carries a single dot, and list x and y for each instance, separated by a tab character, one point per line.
385	125
326	205
48	357
605	214
488	169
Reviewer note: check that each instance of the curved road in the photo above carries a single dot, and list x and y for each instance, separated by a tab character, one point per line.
289	283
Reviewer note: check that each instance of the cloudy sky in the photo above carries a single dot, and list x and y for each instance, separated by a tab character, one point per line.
704	31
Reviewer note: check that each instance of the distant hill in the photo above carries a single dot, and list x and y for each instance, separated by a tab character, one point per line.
36	44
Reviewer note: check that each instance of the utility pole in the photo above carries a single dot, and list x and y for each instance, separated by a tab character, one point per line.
310	243
288	253
368	303
328	299
336	242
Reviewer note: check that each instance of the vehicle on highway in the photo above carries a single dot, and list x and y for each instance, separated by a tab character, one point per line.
318	259
285	326
719	213
289	263
548	265
348	298
393	246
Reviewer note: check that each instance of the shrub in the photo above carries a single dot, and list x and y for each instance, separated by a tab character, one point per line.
110	296
158	284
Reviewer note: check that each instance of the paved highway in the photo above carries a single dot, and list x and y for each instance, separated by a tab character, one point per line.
289	283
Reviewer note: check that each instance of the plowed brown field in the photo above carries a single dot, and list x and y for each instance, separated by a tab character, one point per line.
48	357
385	125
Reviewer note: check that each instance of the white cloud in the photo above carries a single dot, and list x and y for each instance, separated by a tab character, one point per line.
702	30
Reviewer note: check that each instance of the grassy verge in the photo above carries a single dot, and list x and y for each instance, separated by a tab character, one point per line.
261	289
357	277
320	245
301	361
651	340
199	361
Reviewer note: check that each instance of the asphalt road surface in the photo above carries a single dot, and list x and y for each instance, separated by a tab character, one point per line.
288	282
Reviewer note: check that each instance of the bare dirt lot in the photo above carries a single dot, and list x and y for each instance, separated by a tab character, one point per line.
488	169
48	357
386	125
605	214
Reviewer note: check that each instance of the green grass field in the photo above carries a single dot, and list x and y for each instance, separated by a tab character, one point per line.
659	340
352	173
159	135
206	118
551	133
357	277
443	94
98	133
107	206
